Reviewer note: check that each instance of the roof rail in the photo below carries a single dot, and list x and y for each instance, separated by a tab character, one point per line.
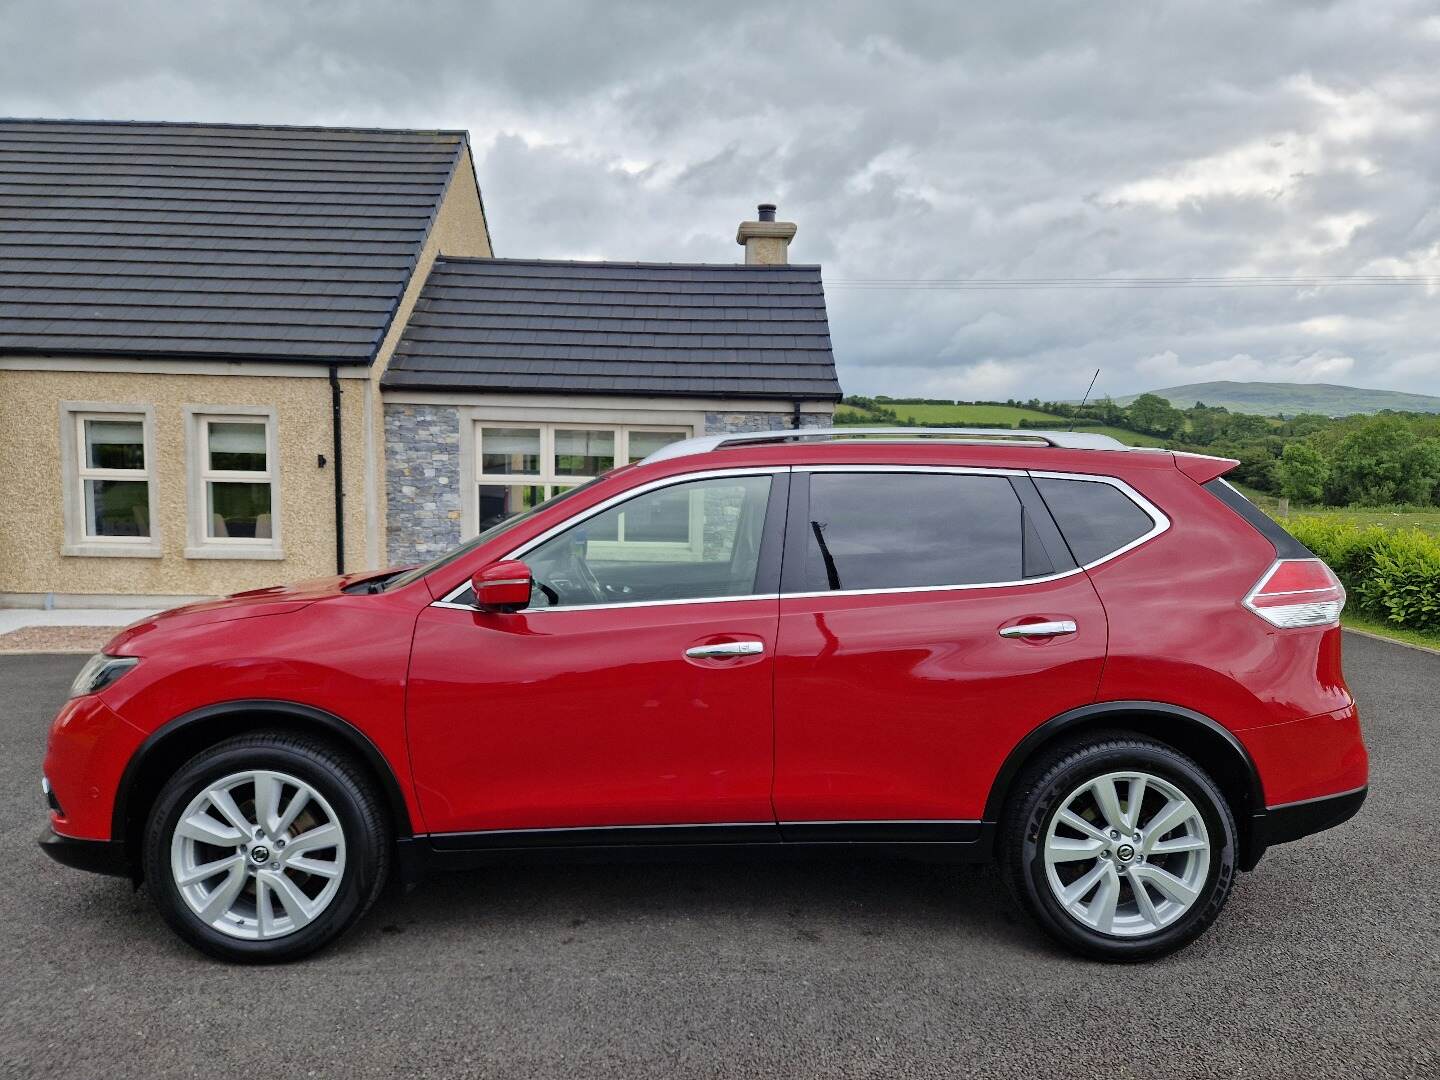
1066	440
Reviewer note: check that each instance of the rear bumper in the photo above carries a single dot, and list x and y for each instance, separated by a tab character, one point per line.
96	856
1291	821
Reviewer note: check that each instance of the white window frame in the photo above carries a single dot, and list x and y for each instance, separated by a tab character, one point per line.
74	472
198	475
552	483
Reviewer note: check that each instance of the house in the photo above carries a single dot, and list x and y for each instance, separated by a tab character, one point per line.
237	355
517	378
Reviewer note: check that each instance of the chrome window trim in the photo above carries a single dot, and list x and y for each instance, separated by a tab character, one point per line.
1156	515
1161	523
448	600
449	603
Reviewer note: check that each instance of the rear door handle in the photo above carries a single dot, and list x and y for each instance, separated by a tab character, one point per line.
726	648
1040	629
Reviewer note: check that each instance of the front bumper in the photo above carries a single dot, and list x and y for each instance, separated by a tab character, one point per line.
1292	821
97	856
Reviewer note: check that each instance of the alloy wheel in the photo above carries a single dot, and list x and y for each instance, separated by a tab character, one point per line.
258	854
1127	853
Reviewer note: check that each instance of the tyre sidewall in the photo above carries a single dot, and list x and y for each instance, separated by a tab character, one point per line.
1047	798
362	849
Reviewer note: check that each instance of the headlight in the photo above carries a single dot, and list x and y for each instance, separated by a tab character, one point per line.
99	672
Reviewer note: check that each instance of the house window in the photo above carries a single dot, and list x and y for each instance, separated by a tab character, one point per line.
520	465
108	465
234	501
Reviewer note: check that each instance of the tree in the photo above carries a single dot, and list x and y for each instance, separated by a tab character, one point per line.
1154	415
1244	427
1303	472
1368	465
1420	468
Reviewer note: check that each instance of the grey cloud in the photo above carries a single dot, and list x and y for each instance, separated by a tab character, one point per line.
909	140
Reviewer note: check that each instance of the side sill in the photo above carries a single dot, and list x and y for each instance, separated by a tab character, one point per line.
418	856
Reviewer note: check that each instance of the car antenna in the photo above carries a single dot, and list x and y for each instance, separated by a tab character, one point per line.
1087	395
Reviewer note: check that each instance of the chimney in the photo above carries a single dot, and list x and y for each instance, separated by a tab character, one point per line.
766	241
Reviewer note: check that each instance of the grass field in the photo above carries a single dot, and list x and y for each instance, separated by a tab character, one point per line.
1426	519
962	414
1129	438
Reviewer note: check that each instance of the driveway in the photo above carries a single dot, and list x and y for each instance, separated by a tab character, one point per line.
1326	963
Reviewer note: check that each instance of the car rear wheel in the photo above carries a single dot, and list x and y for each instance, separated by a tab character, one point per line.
265	847
1120	847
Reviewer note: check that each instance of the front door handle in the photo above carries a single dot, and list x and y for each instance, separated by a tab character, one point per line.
1040	629
726	648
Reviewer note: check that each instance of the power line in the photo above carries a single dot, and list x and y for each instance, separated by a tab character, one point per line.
1258	281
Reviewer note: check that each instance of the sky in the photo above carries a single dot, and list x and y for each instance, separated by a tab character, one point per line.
961	150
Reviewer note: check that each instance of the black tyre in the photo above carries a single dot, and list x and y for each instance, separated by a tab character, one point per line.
266	847
1121	848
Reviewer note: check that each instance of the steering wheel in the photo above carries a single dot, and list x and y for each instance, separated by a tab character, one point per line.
585	576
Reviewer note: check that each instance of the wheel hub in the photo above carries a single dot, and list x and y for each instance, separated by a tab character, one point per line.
258	854
1126	853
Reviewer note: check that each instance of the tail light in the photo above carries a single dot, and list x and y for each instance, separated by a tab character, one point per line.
1297	592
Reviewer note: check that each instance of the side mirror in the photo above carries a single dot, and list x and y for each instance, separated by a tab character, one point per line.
503	586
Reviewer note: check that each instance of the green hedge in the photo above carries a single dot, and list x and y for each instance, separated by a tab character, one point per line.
1061	422
1393	574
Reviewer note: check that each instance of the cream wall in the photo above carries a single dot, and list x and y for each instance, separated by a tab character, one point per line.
31	487
459	230
32	493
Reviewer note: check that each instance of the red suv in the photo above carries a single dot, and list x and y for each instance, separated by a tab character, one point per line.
1100	666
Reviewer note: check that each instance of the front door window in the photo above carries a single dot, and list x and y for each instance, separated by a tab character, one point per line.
688	541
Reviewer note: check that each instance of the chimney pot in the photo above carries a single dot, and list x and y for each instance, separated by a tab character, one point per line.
765	240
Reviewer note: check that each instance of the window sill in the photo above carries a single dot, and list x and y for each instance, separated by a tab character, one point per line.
270	553
112	551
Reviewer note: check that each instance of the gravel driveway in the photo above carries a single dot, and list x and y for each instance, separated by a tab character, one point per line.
1325	964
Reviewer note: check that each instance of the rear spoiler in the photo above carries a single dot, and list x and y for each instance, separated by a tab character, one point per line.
1202	468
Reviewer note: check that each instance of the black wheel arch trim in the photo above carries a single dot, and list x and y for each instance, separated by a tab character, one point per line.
342	730
1058	726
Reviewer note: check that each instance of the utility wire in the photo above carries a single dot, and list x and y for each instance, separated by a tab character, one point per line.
1276	281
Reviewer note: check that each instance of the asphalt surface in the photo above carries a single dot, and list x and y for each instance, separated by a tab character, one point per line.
1325	964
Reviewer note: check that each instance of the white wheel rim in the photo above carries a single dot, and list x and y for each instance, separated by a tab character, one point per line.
1127	854
258	855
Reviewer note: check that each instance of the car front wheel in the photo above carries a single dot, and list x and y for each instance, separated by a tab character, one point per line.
265	847
1121	848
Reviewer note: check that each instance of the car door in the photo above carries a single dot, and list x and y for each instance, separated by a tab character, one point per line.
928	619
636	690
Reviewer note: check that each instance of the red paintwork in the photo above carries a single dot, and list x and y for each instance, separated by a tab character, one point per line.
505	584
903	706
582	717
896	706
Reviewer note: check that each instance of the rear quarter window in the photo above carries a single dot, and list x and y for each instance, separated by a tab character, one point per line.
1095	518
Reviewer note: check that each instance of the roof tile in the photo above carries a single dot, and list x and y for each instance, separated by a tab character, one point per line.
600	327
211	240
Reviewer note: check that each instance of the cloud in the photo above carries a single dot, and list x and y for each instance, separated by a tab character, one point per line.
1168	369
913	140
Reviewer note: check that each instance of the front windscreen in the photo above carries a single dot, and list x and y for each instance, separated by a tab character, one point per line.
489	534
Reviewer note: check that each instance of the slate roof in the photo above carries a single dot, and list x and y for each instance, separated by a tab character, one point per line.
618	328
209	240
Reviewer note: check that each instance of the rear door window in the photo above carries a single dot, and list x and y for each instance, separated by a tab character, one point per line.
1096	518
911	530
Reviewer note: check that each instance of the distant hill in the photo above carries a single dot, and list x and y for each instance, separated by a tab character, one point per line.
1272	398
